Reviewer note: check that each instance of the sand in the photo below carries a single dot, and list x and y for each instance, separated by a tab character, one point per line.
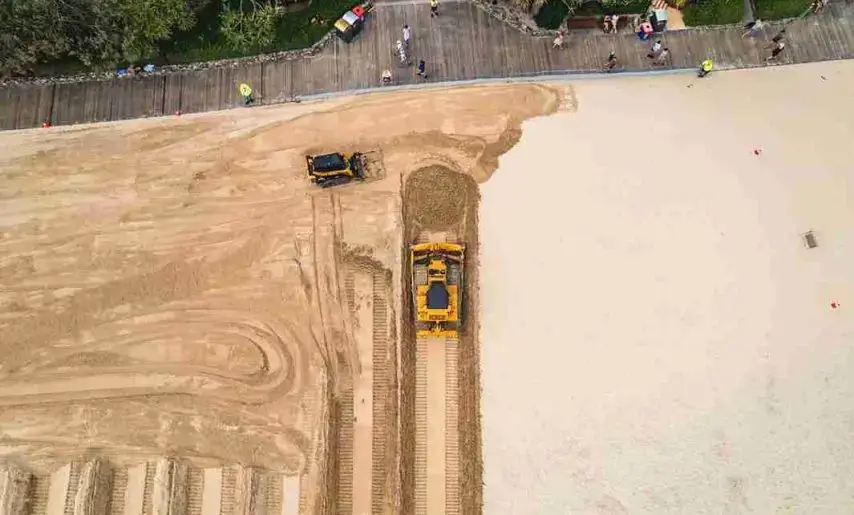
656	338
178	301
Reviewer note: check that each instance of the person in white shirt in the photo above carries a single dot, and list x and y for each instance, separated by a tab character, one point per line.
754	29
656	48
407	35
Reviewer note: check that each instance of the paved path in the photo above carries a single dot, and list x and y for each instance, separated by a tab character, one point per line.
463	43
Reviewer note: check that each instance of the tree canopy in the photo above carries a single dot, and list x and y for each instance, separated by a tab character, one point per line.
252	26
92	31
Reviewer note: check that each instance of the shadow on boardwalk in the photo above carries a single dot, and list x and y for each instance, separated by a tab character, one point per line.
463	43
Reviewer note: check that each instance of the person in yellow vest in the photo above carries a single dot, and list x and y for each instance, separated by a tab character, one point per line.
705	68
434	8
246	92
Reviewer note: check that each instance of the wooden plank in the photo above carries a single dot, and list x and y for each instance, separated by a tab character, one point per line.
33	106
137	98
278	81
381	37
443	63
8	101
70	103
194	88
173	88
97	101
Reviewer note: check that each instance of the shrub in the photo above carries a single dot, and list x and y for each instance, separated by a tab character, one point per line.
779	9
253	30
714	12
625	6
551	14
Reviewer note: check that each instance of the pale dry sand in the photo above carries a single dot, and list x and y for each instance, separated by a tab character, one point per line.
656	338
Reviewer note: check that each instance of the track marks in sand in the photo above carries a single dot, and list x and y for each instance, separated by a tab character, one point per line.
279	358
366	460
162	486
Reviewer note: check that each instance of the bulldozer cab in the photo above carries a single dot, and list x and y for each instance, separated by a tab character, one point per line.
437	293
329	163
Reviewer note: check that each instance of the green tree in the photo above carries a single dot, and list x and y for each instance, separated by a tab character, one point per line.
147	22
246	29
95	32
33	31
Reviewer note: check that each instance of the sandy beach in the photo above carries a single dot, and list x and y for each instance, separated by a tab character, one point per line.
188	324
656	337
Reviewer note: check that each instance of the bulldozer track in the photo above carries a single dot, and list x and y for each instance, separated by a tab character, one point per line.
227	494
240	491
273	494
39	491
437	488
73	482
117	496
452	437
345	453
195	487
148	490
421	428
380	391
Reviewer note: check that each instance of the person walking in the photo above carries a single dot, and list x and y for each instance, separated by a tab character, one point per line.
434	8
611	63
654	50
422	66
754	28
778	48
615	20
407	35
662	56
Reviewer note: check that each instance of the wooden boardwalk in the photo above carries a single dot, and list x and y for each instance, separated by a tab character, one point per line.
462	43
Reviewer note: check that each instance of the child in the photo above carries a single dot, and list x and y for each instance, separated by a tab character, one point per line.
421	67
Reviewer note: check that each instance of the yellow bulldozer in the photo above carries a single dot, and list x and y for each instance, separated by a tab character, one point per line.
333	169
437	288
